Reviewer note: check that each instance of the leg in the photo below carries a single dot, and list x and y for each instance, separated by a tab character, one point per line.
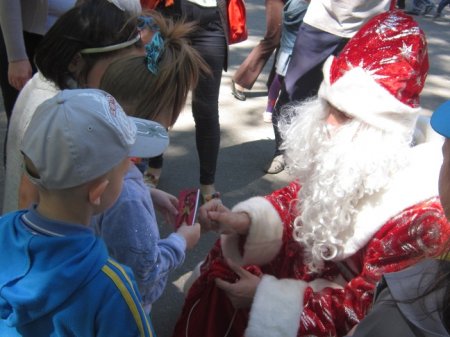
446	3
283	99
272	72
416	8
312	47
205	106
272	96
252	66
429	5
441	6
276	165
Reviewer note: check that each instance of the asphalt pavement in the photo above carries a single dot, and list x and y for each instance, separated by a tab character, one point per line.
247	144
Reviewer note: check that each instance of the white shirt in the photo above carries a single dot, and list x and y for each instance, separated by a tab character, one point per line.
343	17
204	3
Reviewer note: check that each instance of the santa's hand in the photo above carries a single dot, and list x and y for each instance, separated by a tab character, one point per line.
242	292
230	222
214	205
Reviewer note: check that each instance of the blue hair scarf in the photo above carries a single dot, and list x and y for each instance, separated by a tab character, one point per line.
155	47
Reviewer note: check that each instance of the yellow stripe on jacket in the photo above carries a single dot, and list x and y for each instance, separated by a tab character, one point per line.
116	273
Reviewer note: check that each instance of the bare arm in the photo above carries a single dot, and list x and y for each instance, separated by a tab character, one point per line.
19	67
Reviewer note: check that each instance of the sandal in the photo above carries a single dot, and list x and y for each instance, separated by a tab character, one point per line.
209	197
238	94
276	165
151	179
208	193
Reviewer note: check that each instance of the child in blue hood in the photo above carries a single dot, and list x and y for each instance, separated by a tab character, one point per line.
57	278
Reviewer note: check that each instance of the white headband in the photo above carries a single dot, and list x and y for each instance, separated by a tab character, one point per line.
105	49
117	4
131	6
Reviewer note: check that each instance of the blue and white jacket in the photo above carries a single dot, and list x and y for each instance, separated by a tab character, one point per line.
56	279
130	231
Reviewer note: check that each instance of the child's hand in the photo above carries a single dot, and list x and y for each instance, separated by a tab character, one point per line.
165	203
190	233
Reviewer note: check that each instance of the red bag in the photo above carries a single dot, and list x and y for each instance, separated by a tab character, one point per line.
207	311
237	21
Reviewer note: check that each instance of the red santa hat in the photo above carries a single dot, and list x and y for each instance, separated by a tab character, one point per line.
379	75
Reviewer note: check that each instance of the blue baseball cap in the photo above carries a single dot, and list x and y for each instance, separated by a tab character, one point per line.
440	120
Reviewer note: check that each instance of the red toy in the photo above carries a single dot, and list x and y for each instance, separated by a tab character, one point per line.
187	208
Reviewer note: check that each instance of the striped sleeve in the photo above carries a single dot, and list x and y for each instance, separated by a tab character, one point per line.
125	286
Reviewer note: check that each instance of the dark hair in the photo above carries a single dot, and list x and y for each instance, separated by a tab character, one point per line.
93	23
441	281
147	95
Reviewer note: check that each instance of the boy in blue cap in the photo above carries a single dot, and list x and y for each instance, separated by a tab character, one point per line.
57	278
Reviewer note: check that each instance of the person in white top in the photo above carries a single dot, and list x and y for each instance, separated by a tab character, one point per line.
327	27
63	68
23	23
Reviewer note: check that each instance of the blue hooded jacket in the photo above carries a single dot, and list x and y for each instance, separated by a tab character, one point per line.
138	243
57	280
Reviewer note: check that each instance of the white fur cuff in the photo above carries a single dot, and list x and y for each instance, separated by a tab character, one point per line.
276	308
265	234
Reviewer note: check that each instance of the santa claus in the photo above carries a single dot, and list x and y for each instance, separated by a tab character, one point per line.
304	260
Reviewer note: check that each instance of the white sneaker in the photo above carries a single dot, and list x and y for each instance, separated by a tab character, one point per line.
267	117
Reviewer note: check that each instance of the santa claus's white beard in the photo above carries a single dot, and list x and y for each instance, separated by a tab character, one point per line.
337	167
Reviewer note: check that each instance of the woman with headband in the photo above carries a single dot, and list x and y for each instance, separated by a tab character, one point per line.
67	58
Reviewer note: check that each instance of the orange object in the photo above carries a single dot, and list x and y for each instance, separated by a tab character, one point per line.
151	4
237	21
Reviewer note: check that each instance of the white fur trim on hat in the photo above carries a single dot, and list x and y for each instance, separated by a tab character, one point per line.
357	94
265	234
